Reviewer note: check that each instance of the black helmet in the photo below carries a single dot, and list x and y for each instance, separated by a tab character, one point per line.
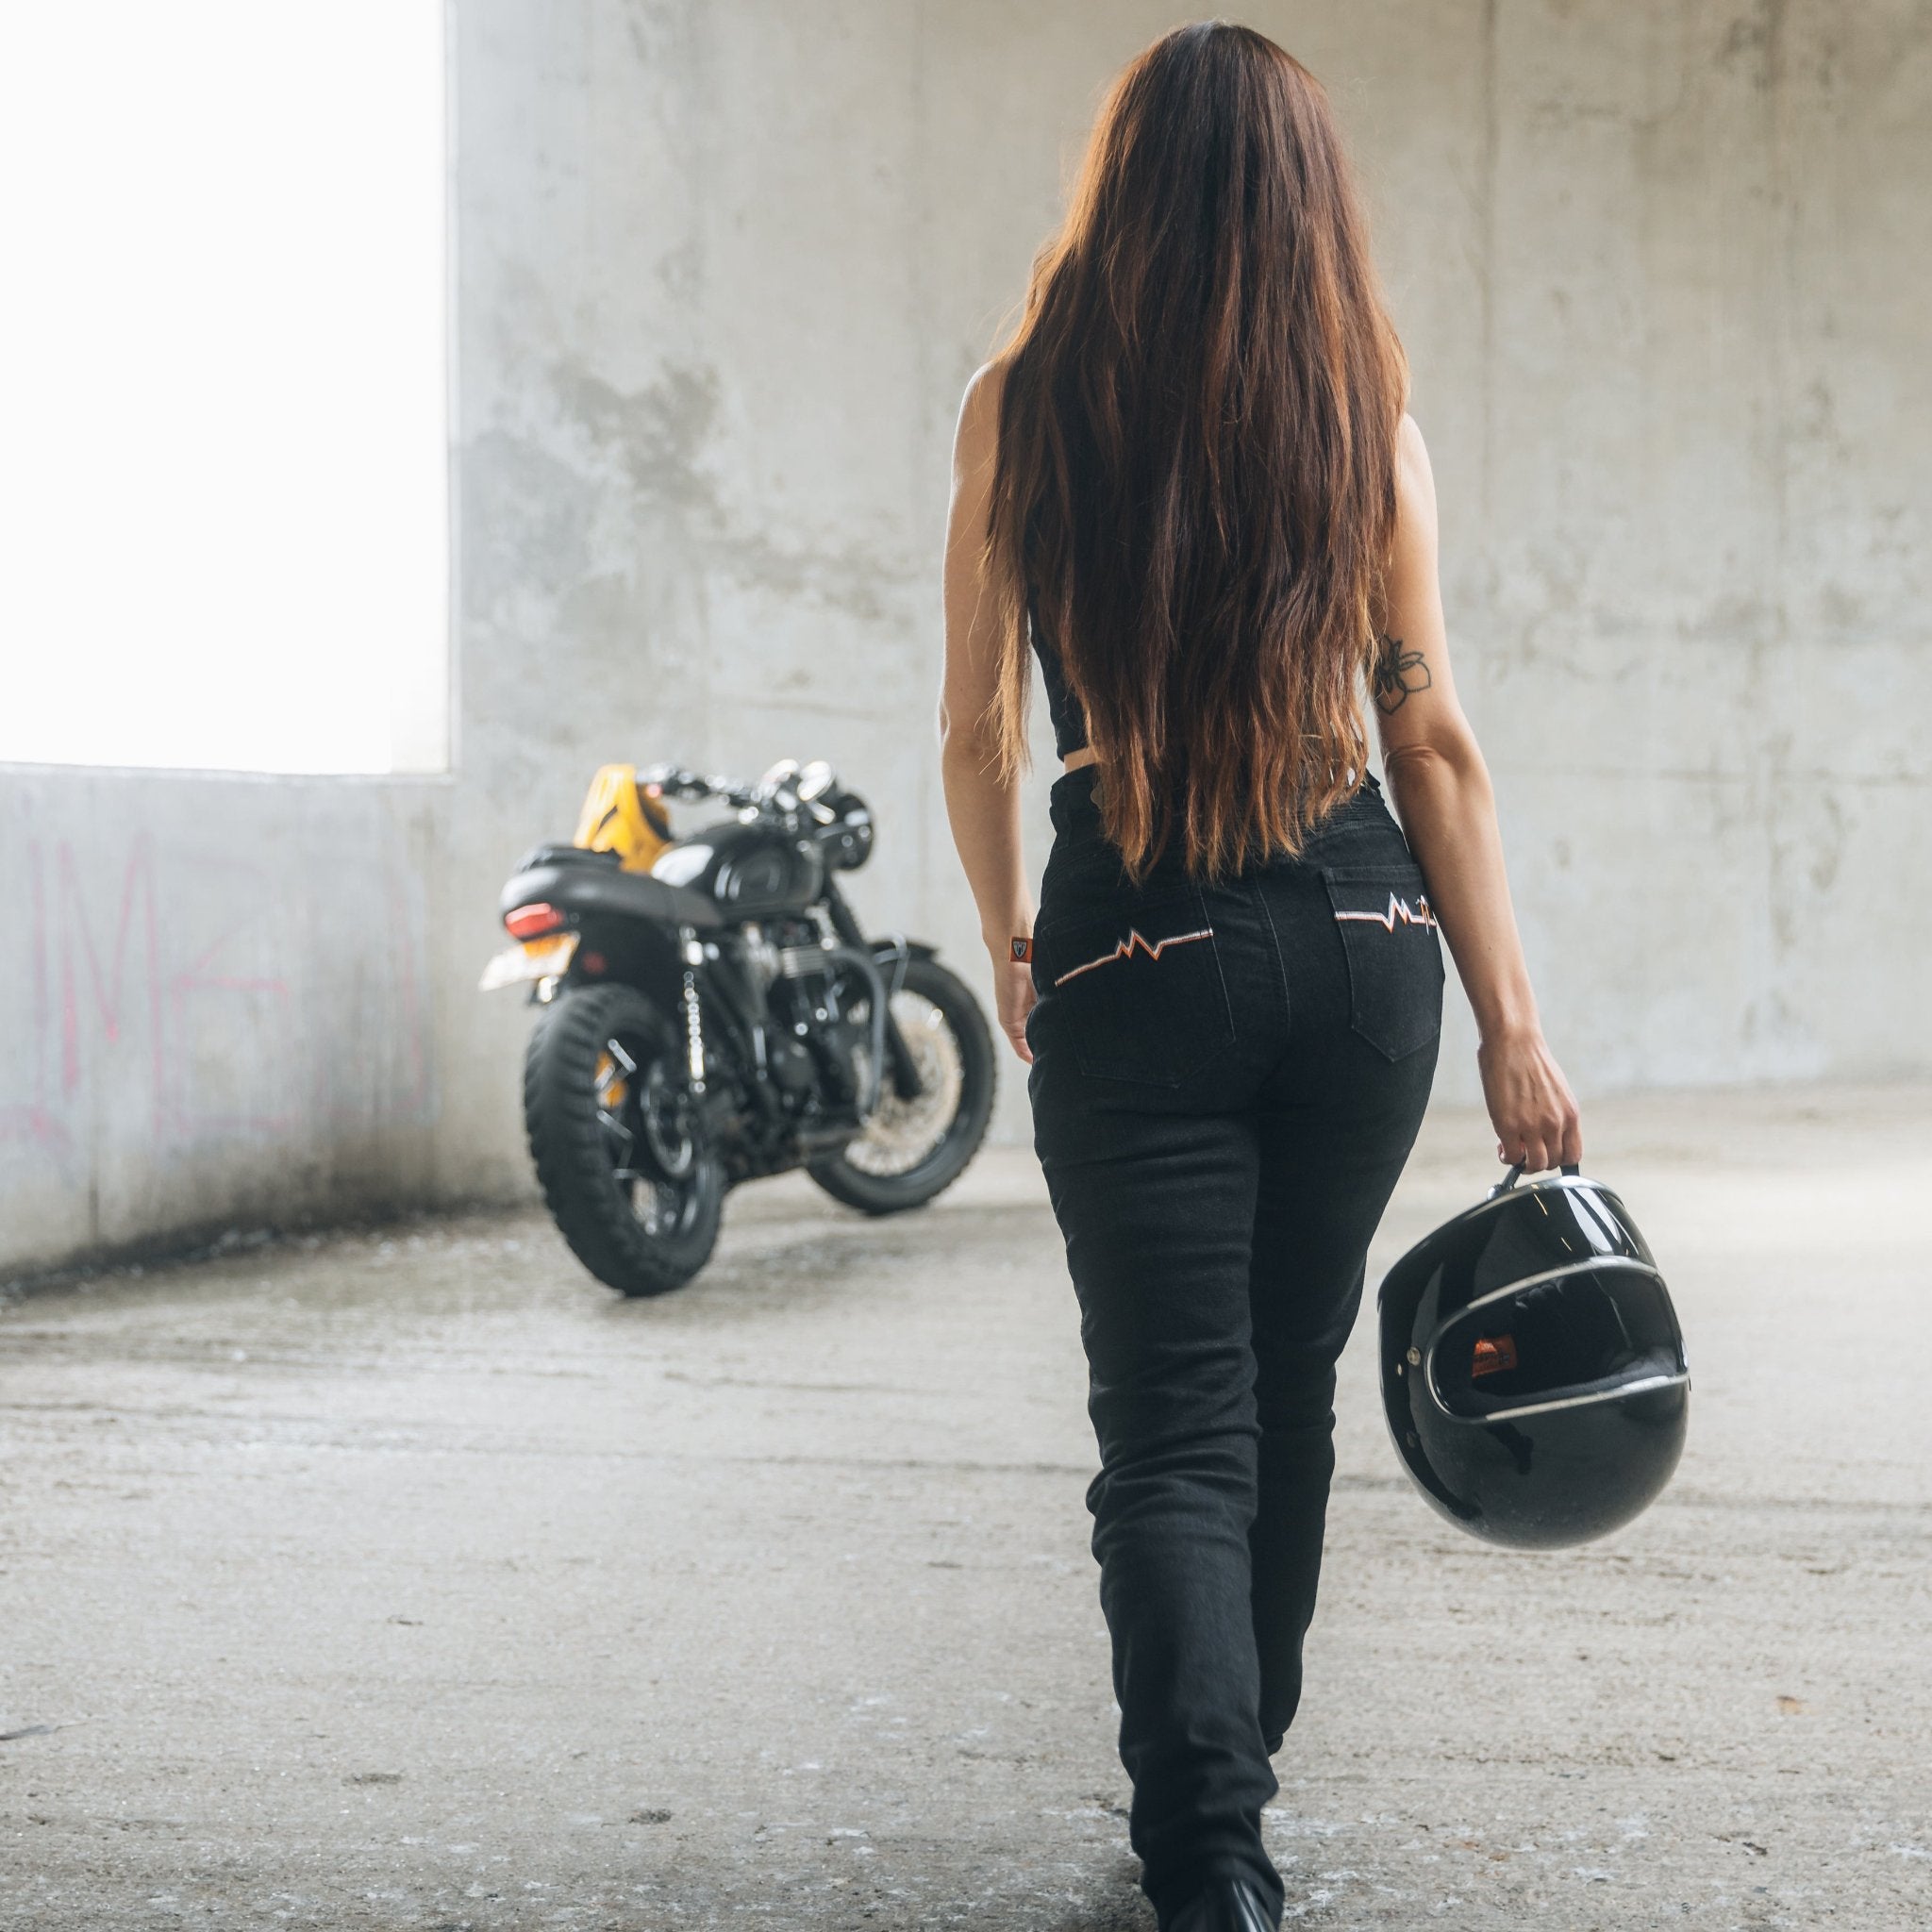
1532	1367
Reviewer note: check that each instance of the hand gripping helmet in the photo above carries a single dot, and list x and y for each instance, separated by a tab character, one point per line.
1532	1367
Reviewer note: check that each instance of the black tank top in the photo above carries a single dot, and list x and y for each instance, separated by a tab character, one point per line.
1062	707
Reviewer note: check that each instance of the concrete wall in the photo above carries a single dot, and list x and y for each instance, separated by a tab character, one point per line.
723	267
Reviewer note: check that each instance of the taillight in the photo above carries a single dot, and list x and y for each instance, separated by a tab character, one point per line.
533	921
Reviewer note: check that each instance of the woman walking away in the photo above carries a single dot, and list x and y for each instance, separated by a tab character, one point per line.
1191	484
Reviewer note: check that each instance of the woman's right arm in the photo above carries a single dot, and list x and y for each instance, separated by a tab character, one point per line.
1441	787
982	806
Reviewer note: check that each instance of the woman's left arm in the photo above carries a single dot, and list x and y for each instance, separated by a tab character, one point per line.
1441	792
983	808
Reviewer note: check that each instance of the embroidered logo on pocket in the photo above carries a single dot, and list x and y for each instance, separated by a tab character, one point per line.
1399	913
1132	943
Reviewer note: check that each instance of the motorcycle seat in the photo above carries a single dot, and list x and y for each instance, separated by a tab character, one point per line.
586	883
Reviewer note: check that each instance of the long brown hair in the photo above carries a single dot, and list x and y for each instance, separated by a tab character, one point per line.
1196	476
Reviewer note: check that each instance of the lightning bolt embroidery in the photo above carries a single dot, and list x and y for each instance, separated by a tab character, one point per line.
1399	911
1127	947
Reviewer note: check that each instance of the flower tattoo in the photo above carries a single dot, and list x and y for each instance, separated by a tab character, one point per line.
1398	674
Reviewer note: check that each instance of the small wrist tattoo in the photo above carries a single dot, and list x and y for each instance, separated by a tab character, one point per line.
1023	950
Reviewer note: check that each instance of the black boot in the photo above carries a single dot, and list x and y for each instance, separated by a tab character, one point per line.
1225	1904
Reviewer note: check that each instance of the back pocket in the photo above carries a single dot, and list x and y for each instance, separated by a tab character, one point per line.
1139	984
1395	953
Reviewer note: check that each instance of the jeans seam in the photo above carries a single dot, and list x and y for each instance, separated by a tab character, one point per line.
1261	900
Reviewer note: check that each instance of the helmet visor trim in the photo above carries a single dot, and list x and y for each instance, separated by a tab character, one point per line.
1642	1386
1563	1338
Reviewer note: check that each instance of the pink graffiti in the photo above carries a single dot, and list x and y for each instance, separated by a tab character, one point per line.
34	1120
199	978
91	979
139	877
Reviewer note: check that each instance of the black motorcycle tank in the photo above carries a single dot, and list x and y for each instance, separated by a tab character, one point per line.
747	870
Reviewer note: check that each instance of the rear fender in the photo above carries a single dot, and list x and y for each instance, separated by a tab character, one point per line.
889	956
887	953
633	954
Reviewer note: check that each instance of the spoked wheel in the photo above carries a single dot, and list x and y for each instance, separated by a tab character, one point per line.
620	1149
911	1149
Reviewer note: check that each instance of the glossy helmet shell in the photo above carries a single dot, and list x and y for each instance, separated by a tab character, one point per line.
1533	1370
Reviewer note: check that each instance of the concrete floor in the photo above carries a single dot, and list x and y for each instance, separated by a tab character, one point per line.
414	1581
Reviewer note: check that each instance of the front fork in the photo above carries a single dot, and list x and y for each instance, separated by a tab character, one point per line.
906	1081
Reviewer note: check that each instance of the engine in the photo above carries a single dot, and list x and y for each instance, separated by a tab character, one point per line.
816	1045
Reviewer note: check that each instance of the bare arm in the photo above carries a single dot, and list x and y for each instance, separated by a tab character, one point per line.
983	809
1441	792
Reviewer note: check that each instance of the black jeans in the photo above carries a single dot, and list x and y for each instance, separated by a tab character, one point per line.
1227	1082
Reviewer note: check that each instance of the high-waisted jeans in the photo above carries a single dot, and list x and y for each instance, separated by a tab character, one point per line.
1226	1081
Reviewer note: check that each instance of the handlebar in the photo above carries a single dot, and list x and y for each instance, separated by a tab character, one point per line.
778	789
676	781
796	799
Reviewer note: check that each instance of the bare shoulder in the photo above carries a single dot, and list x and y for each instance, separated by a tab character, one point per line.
1414	544
988	380
977	434
1415	481
1410	677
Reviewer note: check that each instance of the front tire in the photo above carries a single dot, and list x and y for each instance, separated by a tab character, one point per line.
626	1170
911	1150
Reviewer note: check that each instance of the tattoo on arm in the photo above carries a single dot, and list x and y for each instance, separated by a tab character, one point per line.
1398	674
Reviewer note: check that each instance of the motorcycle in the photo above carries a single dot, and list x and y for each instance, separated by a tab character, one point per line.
711	1011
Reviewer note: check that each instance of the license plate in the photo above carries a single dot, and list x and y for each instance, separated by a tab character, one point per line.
532	959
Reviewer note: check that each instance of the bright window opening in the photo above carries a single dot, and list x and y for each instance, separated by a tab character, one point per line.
223	443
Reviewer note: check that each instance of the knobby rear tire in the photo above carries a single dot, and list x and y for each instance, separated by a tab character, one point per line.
572	1148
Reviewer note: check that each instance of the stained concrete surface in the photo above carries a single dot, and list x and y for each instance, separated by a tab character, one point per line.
411	1580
